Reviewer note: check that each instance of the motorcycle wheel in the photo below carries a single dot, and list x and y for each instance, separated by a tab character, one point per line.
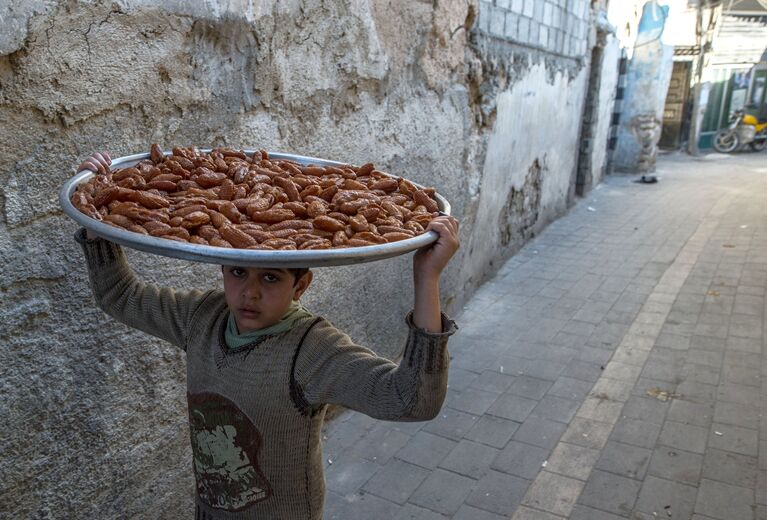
726	141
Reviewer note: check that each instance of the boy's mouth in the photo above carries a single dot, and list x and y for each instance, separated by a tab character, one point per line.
249	313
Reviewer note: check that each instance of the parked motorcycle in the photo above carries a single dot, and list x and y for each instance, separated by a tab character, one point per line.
744	129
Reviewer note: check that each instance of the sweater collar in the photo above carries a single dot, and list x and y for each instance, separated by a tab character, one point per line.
234	339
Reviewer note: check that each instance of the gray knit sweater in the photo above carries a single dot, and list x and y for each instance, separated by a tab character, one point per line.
255	412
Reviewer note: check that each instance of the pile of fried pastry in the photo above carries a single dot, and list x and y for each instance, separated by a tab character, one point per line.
229	198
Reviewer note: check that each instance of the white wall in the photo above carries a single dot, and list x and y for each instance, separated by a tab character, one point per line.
538	122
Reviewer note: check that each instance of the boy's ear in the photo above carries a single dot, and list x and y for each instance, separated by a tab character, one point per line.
302	284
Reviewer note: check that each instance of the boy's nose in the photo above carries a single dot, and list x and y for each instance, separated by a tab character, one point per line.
252	292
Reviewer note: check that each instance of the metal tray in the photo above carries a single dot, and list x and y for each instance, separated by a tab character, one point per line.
239	257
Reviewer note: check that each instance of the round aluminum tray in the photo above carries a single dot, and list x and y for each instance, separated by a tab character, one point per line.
239	257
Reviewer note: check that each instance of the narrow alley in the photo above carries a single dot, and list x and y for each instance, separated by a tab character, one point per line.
613	369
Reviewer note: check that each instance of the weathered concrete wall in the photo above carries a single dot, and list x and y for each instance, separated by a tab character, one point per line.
530	162
530	95
95	421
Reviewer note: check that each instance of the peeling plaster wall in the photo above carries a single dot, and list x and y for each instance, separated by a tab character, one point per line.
95	424
536	106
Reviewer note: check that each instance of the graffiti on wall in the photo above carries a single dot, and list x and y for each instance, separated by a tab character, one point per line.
646	129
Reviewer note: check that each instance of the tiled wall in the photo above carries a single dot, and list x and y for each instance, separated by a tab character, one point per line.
556	26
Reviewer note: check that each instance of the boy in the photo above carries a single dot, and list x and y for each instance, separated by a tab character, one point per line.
261	371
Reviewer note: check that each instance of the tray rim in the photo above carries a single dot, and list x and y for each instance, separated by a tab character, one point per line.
240	257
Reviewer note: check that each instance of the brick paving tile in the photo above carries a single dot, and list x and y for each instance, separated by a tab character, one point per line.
471	400
734	439
761	487
396	481
743	375
470	459
635	432
610	493
443	492
412	512
426	450
348	473
586	513
666	498
451	423
472	513
724	501
646	409
688	412
540	432
380	445
730	468
701	373
697	392
583	371
553	493
520	459
530	387
572	460
683	436
498	493
525	513
624	459
358	506
512	407
492	431
555	408
677	465
570	388
492	381
588	433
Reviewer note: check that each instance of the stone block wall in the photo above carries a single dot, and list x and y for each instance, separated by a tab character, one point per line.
555	26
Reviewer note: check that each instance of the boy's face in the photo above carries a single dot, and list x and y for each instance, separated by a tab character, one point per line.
259	297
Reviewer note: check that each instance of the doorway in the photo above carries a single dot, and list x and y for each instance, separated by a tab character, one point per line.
584	178
677	110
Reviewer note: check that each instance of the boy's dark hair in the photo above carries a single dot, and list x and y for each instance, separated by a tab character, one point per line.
298	272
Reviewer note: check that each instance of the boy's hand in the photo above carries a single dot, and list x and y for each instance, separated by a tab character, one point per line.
97	163
429	261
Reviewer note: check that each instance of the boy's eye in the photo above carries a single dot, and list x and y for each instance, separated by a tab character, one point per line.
237	272
271	278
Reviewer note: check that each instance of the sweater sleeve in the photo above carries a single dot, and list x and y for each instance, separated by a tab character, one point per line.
161	312
331	369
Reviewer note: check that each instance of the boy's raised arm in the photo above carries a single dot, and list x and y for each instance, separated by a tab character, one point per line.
332	369
161	312
428	264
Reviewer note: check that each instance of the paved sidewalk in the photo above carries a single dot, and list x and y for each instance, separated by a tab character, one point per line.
613	369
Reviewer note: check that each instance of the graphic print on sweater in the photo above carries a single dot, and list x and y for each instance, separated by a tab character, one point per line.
225	446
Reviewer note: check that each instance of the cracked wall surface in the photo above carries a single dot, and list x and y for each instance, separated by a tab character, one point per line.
96	425
533	104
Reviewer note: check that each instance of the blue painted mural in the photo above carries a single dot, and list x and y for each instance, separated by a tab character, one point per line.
647	79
